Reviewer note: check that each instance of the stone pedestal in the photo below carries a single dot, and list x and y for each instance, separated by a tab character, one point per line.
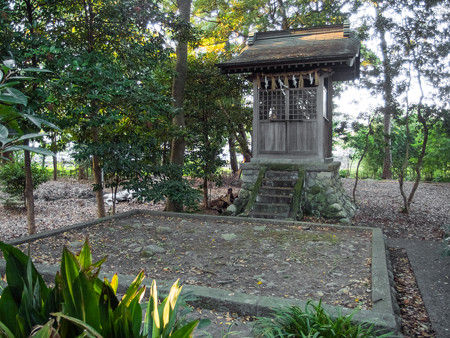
323	194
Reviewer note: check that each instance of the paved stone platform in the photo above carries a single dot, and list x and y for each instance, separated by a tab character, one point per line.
384	312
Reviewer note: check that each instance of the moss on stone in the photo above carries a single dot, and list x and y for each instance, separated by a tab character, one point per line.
296	201
254	193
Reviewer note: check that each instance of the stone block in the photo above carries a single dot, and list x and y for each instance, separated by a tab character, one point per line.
244	194
248	186
324	175
238	202
332	199
335	207
248	178
231	210
315	190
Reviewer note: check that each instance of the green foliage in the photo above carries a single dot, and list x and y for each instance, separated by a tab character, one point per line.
81	303
344	173
314	321
12	177
12	132
162	182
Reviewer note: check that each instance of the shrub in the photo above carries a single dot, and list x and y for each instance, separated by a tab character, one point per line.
344	173
12	178
80	303
314	321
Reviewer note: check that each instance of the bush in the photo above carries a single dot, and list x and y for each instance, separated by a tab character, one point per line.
12	178
80	303
344	173
311	322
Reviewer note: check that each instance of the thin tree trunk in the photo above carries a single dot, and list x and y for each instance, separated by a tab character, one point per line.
421	155
233	157
387	95
28	193
97	172
55	158
205	192
178	143
422	121
369	132
403	171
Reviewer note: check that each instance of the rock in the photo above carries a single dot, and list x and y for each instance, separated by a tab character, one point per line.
163	230
148	224
244	194
137	249
259	228
238	202
335	207
229	237
231	210
343	291
151	250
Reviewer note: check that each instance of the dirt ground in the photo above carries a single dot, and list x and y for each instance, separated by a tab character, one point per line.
271	260
65	203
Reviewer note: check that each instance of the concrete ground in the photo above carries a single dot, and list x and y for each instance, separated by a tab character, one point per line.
432	273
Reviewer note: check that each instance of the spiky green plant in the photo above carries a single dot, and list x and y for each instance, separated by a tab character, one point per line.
80	303
313	321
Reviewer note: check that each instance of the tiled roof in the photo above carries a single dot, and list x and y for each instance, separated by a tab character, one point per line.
299	49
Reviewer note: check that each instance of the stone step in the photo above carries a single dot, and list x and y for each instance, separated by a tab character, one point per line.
272	208
281	183
279	191
277	199
267	215
282	174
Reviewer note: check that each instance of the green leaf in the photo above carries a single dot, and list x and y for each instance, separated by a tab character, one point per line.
85	256
45	331
9	84
13	96
186	330
5	332
36	70
8	310
39	122
86	301
70	270
21	78
36	150
3	133
28	136
90	330
133	290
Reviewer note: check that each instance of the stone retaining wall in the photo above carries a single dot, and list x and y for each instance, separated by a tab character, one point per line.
323	194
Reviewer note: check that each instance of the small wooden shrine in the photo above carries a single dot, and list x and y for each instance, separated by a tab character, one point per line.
292	171
292	73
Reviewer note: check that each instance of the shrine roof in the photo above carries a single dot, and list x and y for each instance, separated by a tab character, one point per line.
300	49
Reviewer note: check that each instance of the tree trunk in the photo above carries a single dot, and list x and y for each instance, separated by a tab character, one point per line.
366	145
178	143
205	192
233	157
28	193
389	107
55	158
97	172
